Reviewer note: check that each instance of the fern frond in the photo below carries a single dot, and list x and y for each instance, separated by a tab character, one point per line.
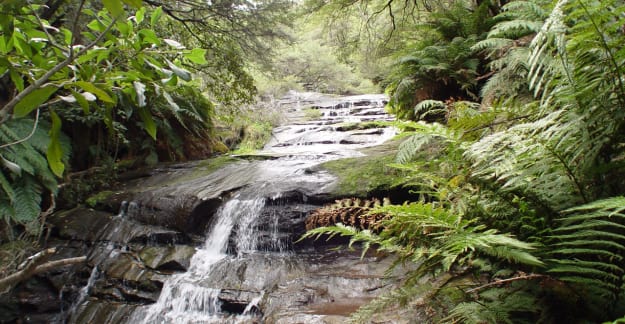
515	28
6	187
492	44
424	134
590	246
27	199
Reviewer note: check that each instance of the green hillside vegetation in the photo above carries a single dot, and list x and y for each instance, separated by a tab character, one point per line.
523	101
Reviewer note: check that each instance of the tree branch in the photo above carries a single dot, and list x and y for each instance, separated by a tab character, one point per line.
36	265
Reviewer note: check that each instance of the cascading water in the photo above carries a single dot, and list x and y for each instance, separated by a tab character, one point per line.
190	297
183	298
248	269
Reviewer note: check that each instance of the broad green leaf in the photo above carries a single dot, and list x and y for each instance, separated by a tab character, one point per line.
21	45
149	36
67	36
134	3
156	15
3	46
140	15
180	72
124	28
17	79
197	56
55	153
33	100
95	25
115	7
81	101
90	87
148	122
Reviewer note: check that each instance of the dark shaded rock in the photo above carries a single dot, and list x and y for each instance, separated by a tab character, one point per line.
235	301
91	226
80	224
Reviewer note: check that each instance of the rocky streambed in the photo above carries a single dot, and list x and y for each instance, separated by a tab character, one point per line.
196	244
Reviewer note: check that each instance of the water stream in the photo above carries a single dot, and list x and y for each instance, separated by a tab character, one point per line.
247	258
182	299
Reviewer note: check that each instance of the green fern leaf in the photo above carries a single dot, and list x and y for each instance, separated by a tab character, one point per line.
27	200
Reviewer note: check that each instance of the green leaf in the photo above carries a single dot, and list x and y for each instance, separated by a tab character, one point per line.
33	100
81	101
90	87
96	25
55	153
134	3
67	36
17	79
156	15
115	7
149	36
27	200
140	15
148	122
197	56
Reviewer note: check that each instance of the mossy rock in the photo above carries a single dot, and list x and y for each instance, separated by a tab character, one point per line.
99	198
369	175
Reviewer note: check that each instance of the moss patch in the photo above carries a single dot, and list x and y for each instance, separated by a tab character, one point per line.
211	165
99	198
345	127
366	175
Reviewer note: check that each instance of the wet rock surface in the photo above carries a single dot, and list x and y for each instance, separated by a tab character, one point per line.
160	233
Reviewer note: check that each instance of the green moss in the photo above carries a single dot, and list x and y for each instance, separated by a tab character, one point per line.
360	176
345	127
256	135
210	165
98	198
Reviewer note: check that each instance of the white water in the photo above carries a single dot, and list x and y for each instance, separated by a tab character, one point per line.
183	298
84	291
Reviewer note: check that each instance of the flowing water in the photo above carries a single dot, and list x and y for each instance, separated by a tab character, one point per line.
182	300
246	256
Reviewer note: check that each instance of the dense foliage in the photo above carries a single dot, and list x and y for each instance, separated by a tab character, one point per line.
539	159
85	84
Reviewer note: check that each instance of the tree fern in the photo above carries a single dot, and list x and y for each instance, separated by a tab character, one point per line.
507	50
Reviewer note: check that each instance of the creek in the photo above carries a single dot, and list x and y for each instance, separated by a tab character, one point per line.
190	244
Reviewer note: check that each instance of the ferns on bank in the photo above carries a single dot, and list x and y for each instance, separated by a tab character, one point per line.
589	246
544	165
23	185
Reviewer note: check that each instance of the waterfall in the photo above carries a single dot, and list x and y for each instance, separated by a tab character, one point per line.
183	298
84	291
